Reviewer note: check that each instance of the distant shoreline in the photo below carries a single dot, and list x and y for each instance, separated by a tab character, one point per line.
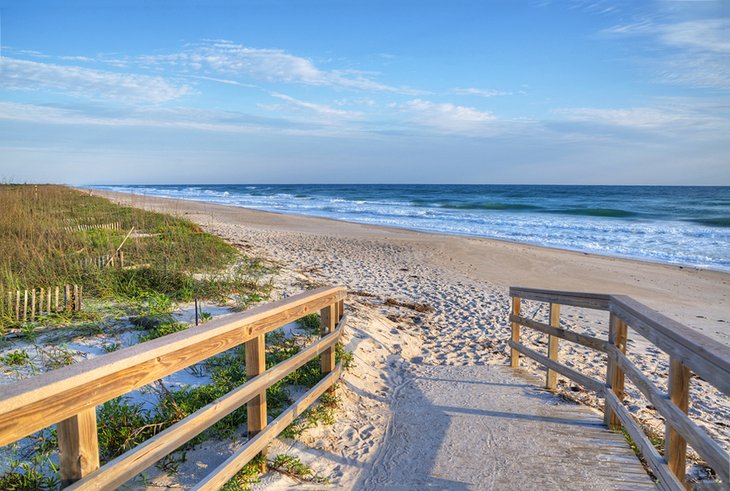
698	297
466	234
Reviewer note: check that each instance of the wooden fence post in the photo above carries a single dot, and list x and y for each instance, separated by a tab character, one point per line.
17	305
617	336
551	380
514	354
67	297
32	304
57	299
328	321
25	306
78	444
676	446
256	407
48	303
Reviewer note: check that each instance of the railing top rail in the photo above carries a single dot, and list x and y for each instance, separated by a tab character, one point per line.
597	301
30	405
708	358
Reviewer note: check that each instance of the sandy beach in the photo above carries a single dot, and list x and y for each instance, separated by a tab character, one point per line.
419	301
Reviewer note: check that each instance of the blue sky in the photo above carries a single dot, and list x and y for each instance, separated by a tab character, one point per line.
569	92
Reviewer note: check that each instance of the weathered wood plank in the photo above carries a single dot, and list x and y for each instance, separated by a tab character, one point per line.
584	380
35	403
675	445
596	301
698	438
704	356
78	446
551	378
256	365
574	337
617	337
224	472
667	480
515	354
128	465
328	318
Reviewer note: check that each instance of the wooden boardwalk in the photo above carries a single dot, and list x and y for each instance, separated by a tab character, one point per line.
492	427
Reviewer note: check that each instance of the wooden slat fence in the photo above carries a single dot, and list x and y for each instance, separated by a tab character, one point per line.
100	262
689	352
24	305
68	397
93	226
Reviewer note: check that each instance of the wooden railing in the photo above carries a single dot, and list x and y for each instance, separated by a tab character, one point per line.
689	351
69	396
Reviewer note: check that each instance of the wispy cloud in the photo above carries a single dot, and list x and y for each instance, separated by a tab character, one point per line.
445	117
217	121
666	115
318	109
479	92
642	117
266	64
697	51
88	83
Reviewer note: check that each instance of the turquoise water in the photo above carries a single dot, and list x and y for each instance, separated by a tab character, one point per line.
687	226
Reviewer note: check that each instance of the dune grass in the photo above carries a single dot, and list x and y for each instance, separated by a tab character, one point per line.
41	246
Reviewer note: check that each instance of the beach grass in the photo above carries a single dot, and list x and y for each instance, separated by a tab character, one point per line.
51	235
47	233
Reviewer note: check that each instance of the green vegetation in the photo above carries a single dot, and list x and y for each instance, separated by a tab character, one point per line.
41	246
16	358
293	466
169	260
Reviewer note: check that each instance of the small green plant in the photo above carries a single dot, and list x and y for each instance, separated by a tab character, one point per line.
30	476
110	347
294	467
344	356
16	358
248	476
323	413
310	323
122	426
164	330
28	331
56	356
39	472
205	317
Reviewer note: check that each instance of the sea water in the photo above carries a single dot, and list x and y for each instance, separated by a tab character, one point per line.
688	226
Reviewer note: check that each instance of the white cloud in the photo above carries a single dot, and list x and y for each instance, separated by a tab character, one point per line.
167	118
224	81
319	109
446	117
669	114
642	117
267	64
697	52
87	83
705	34
479	92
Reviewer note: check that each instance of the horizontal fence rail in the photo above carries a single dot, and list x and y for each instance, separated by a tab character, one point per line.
68	397
689	352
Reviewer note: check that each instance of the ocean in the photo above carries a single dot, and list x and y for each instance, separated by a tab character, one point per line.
688	226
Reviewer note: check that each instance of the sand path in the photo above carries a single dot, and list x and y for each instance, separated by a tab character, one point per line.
489	427
430	397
